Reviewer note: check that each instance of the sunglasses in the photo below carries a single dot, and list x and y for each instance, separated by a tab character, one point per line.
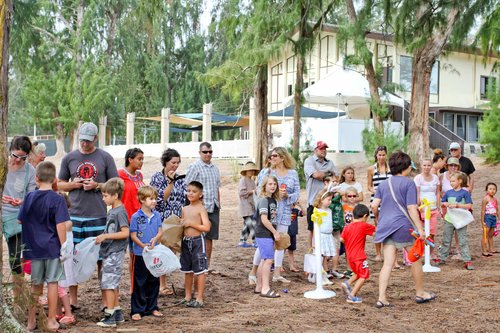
207	151
274	155
453	149
379	148
24	157
352	196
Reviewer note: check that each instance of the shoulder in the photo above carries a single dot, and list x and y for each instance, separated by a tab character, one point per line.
293	173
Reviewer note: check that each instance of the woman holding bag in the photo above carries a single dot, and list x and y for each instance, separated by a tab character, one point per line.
20	181
397	198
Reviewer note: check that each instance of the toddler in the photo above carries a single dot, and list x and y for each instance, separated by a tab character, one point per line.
246	206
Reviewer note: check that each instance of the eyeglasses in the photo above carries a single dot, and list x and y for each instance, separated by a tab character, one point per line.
207	152
274	155
24	157
453	149
452	165
352	196
85	141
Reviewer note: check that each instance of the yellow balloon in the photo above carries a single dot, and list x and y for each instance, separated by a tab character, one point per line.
317	216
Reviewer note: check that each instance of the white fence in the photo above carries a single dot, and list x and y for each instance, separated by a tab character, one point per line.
222	149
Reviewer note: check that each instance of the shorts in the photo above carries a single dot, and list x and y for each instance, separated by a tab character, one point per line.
399	246
84	228
193	255
360	268
433	222
46	270
111	272
490	221
310	224
293	243
14	244
213	234
266	248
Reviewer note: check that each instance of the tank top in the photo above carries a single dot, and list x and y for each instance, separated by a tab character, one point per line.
378	178
491	207
428	188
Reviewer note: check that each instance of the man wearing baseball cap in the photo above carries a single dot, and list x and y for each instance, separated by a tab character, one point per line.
83	171
316	167
466	165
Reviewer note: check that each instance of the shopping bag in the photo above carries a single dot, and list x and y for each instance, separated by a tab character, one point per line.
283	243
173	231
459	217
310	263
160	260
416	251
85	259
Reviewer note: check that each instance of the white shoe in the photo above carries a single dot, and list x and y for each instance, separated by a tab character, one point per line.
281	279
252	279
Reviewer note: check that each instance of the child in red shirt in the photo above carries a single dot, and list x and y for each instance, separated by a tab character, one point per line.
354	237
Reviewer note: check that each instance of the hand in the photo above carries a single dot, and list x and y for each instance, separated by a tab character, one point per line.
101	238
65	252
283	193
7	199
185	223
171	175
421	232
276	236
89	185
152	243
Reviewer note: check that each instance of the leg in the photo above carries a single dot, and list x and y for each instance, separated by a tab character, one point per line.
188	286
357	286
378	246
385	272
463	243
491	232
457	245
265	275
64	298
485	242
138	299
73	296
36	291
447	237
130	266
209	250
291	259
110	298
52	323
200	283
245	231
152	289
260	269
310	226
14	244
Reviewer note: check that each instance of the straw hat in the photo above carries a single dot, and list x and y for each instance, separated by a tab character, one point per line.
249	166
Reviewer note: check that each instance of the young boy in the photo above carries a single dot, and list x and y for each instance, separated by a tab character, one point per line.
194	259
113	242
145	230
44	215
354	238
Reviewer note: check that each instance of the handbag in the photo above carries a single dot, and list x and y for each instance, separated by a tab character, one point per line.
283	243
10	227
310	263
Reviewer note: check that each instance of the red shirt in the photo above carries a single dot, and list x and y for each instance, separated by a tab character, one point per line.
354	235
132	184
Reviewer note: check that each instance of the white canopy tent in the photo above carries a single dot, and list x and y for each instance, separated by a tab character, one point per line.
344	88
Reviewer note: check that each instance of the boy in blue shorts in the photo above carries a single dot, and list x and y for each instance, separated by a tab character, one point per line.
194	260
113	242
44	215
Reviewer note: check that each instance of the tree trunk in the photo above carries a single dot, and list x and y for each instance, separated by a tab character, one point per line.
299	86
7	321
59	140
260	93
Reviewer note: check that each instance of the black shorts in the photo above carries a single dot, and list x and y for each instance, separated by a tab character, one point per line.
193	255
14	244
310	224
293	243
213	234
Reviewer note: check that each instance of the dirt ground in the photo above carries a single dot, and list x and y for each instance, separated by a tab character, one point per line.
467	300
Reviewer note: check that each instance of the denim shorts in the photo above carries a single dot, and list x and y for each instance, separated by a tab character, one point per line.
490	220
266	248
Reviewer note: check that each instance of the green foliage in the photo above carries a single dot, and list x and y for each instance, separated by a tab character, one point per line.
391	139
488	126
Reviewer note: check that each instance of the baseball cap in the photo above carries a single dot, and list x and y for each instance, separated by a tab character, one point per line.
88	131
453	160
454	145
321	145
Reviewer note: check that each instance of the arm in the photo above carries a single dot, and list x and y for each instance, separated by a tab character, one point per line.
310	170
415	217
483	210
243	190
61	232
68	186
471	182
295	195
122	234
136	240
369	179
374	207
266	223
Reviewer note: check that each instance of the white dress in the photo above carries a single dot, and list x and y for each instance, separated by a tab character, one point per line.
328	246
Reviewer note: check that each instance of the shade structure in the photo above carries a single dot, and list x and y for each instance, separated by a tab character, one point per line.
343	88
306	112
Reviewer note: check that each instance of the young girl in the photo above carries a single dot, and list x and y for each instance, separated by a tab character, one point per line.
328	246
266	234
246	206
346	181
457	197
489	217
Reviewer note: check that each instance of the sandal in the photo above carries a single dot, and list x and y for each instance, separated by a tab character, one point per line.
157	314
182	302
67	320
270	294
381	304
136	317
486	255
196	305
420	299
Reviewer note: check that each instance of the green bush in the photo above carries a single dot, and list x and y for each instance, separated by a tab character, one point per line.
391	139
489	129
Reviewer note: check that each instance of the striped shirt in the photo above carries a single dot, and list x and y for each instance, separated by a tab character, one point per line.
209	176
378	178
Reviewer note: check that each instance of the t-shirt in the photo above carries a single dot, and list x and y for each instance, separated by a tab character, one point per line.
427	188
461	197
466	165
145	227
265	206
39	214
117	218
326	226
344	186
392	222
98	166
17	185
132	184
354	235
313	186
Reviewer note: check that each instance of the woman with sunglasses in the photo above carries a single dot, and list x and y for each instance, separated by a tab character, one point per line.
20	181
377	173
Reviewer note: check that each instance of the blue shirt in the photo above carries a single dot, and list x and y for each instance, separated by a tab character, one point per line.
145	227
460	197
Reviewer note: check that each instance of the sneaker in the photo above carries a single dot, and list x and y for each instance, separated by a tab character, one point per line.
468	266
281	279
119	315
108	320
337	274
354	299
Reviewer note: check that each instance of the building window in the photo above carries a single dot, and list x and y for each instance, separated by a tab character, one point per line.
486	84
277	88
463	125
472	129
246	135
327	55
405	76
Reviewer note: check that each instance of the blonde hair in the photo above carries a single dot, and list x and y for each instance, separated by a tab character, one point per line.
146	191
263	184
320	196
288	160
462	177
351	189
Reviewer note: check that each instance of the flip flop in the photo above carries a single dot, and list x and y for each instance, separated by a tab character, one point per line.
486	255
420	299
257	292
381	304
270	294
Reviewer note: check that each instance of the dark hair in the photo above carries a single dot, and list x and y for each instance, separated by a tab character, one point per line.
132	153
398	162
114	186
438	155
379	148
168	155
21	143
487	185
46	172
196	184
205	144
359	211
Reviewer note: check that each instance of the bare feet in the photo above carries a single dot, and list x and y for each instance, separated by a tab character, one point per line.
157	313
378	258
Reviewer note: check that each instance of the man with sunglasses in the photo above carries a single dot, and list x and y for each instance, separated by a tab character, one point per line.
82	173
466	165
316	168
207	173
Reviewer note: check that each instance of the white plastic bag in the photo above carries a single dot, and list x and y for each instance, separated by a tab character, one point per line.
459	217
85	258
160	260
310	263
